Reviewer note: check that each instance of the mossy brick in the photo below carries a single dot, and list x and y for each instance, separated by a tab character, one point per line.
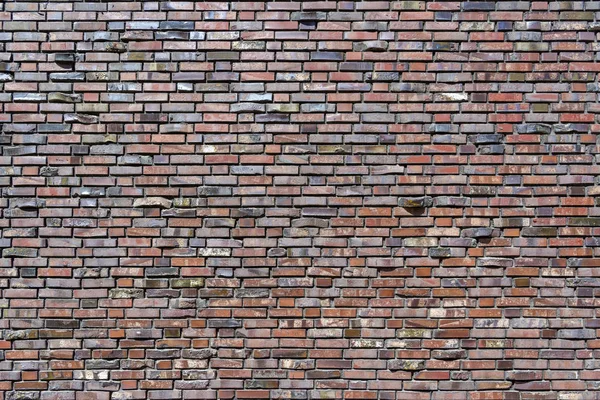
57	97
577	16
584	221
283	108
22	395
126	293
415	202
539	231
406	365
223	56
511	222
19	252
24	334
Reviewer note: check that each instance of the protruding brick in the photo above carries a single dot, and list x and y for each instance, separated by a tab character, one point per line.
415	202
372	45
440	252
154	202
19	252
64	98
299	199
480	232
534	128
27	204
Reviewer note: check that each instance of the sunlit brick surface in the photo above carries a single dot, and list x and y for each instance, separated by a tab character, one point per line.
299	200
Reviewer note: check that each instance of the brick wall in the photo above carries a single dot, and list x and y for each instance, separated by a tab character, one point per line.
305	200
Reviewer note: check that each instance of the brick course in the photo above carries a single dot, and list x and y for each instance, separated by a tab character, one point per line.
299	200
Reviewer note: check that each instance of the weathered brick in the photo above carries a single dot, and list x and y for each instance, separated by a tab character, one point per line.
299	200
372	45
126	293
64	98
480	232
406	365
417	202
158	202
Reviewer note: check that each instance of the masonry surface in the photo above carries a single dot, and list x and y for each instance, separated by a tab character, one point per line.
299	200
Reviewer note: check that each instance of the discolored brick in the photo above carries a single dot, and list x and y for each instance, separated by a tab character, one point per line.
299	200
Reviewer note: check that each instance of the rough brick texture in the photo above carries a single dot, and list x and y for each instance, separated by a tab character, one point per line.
299	200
